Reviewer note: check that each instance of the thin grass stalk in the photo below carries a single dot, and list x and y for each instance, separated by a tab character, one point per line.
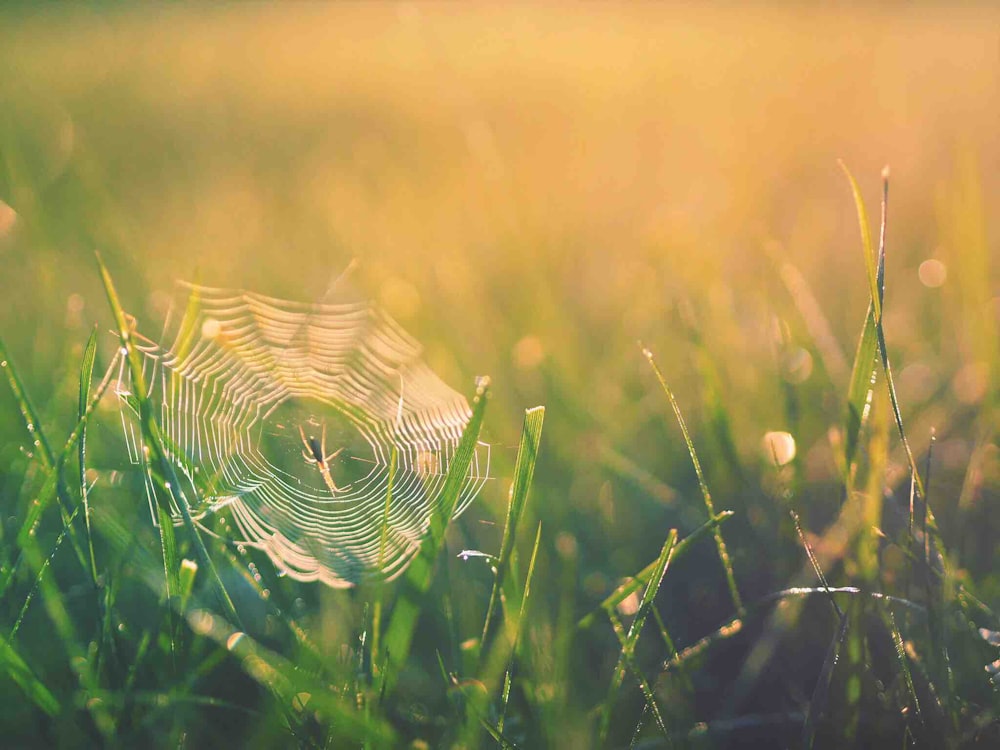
706	495
817	703
86	374
524	471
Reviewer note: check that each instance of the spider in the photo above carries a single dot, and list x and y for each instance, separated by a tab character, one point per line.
315	453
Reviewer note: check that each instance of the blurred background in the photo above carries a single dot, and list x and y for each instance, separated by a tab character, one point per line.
530	192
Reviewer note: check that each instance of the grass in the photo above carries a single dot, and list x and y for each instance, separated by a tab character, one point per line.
640	573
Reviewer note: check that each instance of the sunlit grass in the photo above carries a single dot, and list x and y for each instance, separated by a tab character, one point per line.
531	193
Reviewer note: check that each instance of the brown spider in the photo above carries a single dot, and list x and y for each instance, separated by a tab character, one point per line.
315	453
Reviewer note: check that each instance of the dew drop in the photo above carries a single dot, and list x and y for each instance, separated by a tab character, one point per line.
31	427
3	363
241	549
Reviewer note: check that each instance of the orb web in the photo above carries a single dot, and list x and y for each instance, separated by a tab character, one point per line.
288	417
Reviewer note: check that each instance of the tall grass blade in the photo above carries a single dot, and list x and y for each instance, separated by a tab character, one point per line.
524	471
86	375
866	243
158	459
716	532
416	580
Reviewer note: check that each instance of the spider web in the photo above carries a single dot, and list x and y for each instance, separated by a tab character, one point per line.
254	394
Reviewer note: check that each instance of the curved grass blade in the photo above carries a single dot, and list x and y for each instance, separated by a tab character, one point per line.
524	471
866	242
720	543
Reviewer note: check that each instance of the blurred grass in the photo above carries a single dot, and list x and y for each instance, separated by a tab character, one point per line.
530	192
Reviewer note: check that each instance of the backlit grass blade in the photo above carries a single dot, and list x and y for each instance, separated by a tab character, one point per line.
524	471
866	243
159	460
716	532
883	351
859	394
632	638
643	577
86	374
417	579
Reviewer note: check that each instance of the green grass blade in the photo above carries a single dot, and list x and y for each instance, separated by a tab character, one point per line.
904	663
859	394
51	482
86	375
151	435
50	462
632	639
822	690
866	242
285	681
643	577
25	679
416	580
505	697
716	532
376	640
524	471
